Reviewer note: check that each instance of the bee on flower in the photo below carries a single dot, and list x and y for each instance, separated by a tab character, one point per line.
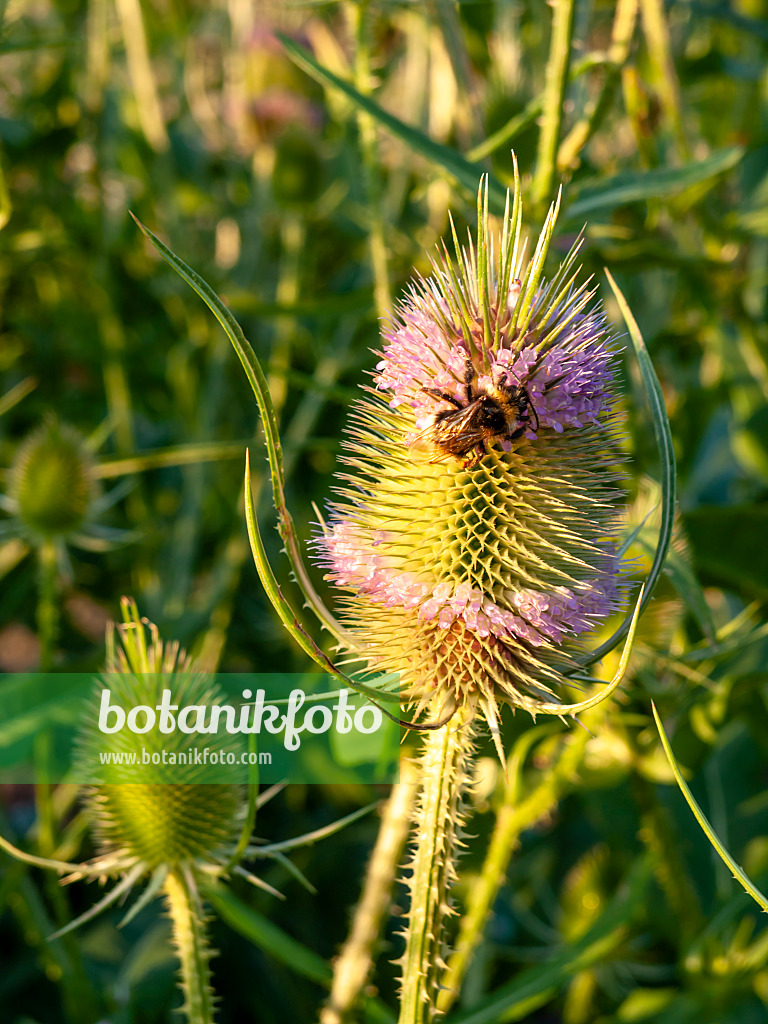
474	527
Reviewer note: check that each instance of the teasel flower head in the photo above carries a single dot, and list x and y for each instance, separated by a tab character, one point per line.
181	830
475	524
173	817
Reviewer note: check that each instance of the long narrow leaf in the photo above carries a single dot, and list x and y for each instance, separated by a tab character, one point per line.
312	837
663	436
268	936
710	833
655	184
258	382
447	159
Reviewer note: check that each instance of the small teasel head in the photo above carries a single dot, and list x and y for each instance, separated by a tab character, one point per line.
52	483
168	819
474	527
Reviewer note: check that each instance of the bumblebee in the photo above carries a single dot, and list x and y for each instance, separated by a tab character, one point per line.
498	411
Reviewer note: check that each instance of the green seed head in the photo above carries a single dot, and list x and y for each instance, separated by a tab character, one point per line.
52	481
171	820
166	823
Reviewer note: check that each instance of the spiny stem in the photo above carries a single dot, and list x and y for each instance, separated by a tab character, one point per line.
514	817
355	959
191	944
554	94
443	770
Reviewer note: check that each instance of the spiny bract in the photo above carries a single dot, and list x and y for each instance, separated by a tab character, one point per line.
473	583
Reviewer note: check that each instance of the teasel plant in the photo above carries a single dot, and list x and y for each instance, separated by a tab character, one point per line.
179	832
57	496
473	551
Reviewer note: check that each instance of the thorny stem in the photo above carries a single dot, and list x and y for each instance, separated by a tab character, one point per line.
554	95
443	770
513	818
190	940
355	959
368	152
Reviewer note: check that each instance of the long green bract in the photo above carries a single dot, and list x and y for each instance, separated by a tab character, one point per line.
710	833
258	382
663	435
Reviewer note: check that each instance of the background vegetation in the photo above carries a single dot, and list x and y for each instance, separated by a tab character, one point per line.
308	211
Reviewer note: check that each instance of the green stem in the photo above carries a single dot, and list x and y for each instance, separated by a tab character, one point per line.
660	52
621	38
47	604
554	94
443	771
190	940
513	818
292	241
354	962
369	153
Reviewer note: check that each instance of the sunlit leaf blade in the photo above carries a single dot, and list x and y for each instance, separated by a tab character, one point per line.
258	382
156	883
178	455
447	159
598	698
663	436
658	183
16	394
710	833
114	894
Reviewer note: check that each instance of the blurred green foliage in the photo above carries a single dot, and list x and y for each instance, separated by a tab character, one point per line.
303	207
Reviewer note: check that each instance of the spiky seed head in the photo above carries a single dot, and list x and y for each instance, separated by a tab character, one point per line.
173	821
475	576
52	481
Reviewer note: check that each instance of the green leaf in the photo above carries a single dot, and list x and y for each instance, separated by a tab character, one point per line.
655	184
178	455
710	833
260	387
267	936
447	159
663	435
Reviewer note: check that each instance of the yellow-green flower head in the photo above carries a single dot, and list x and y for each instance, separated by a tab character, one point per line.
52	484
169	819
474	535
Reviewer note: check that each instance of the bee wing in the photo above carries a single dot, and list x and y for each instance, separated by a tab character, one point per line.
455	433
